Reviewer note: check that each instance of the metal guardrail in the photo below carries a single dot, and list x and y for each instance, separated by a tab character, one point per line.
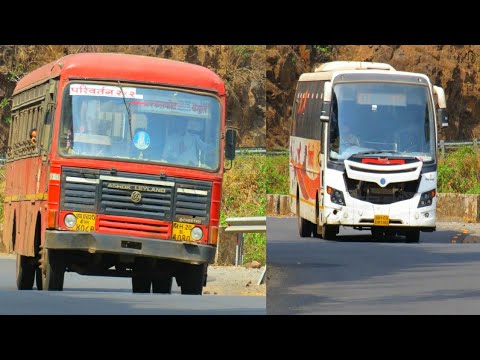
243	225
442	146
250	150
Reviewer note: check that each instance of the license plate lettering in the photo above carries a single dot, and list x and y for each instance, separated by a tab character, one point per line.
181	231
381	220
85	222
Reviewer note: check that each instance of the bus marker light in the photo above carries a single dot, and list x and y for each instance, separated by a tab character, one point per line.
52	219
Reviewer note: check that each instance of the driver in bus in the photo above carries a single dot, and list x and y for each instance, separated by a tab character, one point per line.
185	146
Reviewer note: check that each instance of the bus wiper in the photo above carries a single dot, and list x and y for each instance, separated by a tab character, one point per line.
129	115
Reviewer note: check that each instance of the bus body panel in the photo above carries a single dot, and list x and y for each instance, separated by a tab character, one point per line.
305	175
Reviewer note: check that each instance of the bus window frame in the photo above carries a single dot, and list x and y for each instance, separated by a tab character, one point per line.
126	83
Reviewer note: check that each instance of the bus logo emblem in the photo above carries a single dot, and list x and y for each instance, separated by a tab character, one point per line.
136	197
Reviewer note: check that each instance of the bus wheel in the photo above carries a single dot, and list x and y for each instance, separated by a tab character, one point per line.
192	279
38	278
141	284
305	227
162	284
53	270
25	273
141	279
329	232
413	236
378	234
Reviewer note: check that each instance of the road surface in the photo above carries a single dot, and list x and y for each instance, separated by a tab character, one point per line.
87	295
355	275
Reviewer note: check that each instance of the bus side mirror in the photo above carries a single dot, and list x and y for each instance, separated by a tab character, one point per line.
327	97
442	106
230	144
443	117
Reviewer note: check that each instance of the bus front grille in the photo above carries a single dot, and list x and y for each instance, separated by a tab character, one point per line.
191	203
131	195
122	199
375	194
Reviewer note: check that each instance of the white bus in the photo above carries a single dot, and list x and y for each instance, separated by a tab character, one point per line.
363	150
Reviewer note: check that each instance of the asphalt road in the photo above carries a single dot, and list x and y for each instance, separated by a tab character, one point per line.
88	295
356	275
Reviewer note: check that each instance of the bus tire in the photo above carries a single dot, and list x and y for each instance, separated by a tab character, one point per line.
38	278
378	234
141	283
25	273
162	284
53	270
329	232
413	236
192	279
305	227
141	275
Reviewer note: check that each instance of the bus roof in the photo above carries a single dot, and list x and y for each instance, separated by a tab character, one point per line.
353	65
125	67
328	70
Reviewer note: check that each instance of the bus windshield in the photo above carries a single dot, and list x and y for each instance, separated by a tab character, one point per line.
171	127
381	118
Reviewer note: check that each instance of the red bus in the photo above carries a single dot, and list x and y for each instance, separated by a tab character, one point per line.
125	176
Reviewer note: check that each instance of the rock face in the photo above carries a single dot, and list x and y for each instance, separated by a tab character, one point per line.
241	67
455	68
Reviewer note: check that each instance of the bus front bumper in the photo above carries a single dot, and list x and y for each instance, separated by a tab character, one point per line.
128	245
363	215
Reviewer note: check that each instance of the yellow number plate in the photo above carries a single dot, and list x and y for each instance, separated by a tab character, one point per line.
181	231
381	220
85	221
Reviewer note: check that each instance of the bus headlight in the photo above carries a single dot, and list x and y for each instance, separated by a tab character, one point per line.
336	196
426	198
70	220
196	233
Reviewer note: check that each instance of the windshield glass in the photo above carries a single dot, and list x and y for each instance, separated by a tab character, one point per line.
155	125
381	118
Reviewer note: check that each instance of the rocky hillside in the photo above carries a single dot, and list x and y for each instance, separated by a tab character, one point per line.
455	68
242	68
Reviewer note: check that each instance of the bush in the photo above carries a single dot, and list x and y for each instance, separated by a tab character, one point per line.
277	174
459	172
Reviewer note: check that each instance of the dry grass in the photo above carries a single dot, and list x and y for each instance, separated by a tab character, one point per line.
244	194
2	190
244	188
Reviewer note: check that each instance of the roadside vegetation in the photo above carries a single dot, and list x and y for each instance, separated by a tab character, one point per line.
277	178
244	195
459	172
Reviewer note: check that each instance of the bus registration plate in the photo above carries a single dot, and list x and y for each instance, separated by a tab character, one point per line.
381	220
85	221
181	231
